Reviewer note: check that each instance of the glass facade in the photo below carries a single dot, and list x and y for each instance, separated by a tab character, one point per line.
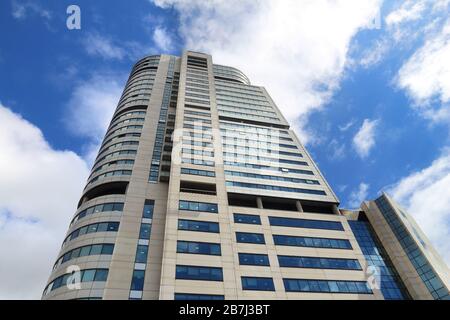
391	285
431	280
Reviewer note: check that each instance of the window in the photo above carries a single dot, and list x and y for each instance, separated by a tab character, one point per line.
196	172
203	226
101	275
273	187
198	206
88	275
194	296
149	205
245	237
305	223
246	218
318	263
141	254
107	249
261	284
96	249
295	241
137	281
95	227
145	231
106	207
252	259
338	286
198	248
199	273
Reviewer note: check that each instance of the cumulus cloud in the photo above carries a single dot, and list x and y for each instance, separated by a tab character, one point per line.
21	10
364	139
296	49
108	48
91	106
425	194
357	196
426	77
162	39
408	11
38	195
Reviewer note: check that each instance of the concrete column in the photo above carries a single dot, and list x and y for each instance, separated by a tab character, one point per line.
299	206
259	203
336	210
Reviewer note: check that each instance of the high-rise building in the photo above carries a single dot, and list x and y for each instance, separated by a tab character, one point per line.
201	190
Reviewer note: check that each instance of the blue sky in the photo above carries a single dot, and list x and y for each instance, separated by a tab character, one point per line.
366	86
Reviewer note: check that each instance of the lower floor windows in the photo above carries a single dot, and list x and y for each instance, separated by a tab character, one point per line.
198	248
318	263
196	296
95	249
311	242
274	188
332	286
306	223
246	218
87	275
245	237
141	253
198	206
95	227
201	226
137	281
252	259
199	273
260	284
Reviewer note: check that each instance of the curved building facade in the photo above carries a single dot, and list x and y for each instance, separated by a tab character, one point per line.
200	190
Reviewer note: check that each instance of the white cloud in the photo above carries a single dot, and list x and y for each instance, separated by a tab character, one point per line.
426	76
358	196
347	126
108	48
409	11
91	107
22	9
97	45
364	139
374	54
162	39
38	194
425	194
296	49
336	150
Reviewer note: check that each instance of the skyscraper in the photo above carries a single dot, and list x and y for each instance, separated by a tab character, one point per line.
200	190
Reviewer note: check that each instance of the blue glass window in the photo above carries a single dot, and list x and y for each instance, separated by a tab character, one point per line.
318	263
335	286
391	285
245	237
254	283
295	241
198	247
194	296
305	223
253	259
246	218
199	273
193	225
196	172
198	206
149	205
137	281
145	231
141	254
